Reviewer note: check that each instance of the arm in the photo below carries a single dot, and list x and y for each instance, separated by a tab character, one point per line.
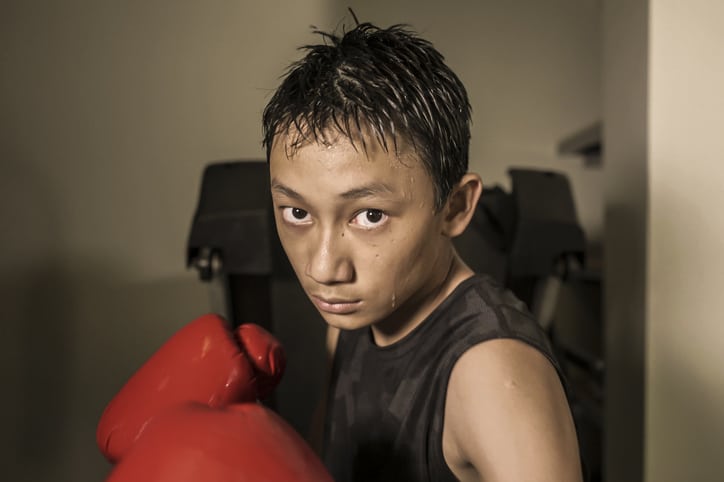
507	418
316	432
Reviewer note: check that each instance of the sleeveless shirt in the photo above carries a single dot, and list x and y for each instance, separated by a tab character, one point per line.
386	404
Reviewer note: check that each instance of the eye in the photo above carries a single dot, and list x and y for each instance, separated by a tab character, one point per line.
370	218
296	216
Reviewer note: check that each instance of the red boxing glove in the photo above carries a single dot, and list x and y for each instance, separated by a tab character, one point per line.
240	443
203	362
266	355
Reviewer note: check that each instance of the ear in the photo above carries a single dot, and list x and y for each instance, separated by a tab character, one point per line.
461	203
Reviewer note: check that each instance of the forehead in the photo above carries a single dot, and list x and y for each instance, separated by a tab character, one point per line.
363	139
338	164
339	150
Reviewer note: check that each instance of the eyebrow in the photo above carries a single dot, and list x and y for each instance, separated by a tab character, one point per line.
373	189
369	190
287	191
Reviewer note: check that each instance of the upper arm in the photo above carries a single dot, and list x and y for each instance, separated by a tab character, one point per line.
507	416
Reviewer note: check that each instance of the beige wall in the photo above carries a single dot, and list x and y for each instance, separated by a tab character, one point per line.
532	70
110	110
664	111
625	104
108	113
685	326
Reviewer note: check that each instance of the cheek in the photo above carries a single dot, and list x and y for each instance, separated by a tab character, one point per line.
399	261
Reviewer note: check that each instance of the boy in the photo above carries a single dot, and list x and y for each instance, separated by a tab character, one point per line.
437	374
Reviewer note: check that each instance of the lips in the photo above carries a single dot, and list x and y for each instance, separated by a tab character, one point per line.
336	306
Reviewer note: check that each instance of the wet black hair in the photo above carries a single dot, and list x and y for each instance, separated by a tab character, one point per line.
387	83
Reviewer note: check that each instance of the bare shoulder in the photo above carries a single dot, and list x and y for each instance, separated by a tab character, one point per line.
507	417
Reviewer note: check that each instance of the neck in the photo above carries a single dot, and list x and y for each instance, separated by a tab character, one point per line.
415	310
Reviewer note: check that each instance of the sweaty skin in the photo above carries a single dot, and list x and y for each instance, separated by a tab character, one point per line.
361	232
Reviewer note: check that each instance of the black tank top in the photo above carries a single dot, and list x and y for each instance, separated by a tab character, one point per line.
386	404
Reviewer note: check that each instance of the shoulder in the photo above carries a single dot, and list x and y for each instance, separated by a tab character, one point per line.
507	417
504	360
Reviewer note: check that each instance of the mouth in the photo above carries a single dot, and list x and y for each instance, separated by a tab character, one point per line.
335	306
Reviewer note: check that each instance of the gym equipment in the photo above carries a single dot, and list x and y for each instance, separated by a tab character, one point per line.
530	241
233	242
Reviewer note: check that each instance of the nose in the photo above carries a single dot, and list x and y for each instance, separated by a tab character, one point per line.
329	261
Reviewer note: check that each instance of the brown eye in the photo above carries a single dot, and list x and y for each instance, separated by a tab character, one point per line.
370	218
296	216
374	216
299	213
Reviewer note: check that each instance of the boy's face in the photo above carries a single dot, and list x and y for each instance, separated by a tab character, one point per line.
360	231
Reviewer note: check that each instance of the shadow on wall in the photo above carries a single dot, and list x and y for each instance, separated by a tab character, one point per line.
34	318
624	340
81	335
37	334
74	328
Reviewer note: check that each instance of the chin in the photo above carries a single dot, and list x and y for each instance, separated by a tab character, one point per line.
346	322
